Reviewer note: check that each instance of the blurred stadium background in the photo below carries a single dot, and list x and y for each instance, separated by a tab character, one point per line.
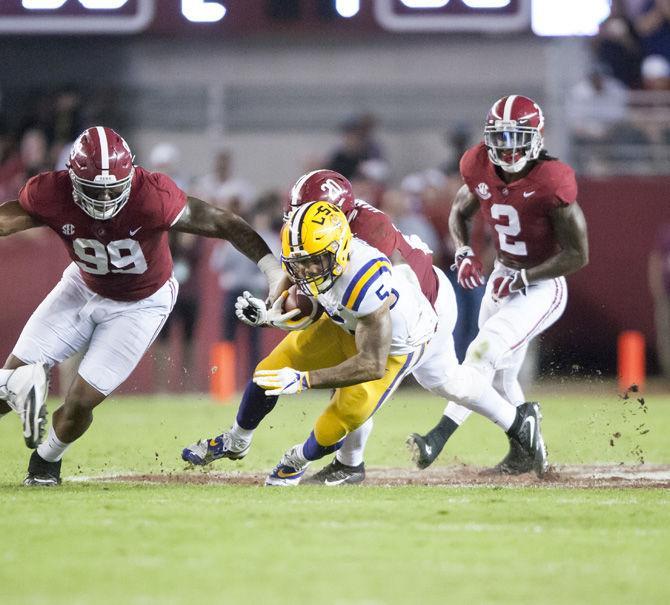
237	98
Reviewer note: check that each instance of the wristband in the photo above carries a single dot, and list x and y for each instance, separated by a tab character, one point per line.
269	264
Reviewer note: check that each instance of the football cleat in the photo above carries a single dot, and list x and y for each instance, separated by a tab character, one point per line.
516	462
424	449
289	471
222	446
27	390
526	432
42	473
337	473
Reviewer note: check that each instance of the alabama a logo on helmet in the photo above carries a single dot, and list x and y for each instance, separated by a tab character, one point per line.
483	191
333	190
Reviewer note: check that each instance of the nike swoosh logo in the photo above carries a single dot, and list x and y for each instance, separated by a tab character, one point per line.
284	475
531	422
528	193
134	231
336	482
429	450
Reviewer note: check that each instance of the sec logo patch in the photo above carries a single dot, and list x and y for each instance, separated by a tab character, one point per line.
483	191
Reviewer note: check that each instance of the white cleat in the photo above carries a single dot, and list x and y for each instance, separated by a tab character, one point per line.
27	390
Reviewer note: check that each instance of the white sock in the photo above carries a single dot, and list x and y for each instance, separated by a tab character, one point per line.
458	413
298	456
495	408
53	448
242	434
351	452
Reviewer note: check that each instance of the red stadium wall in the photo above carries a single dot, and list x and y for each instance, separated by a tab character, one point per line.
608	296
612	293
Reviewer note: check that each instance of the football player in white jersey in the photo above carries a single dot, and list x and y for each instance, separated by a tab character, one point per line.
377	329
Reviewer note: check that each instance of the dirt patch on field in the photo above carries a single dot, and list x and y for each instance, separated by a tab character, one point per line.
578	476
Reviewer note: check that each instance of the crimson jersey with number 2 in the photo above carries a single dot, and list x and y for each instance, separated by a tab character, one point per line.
124	258
520	212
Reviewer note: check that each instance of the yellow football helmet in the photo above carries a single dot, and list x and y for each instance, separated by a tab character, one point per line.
315	245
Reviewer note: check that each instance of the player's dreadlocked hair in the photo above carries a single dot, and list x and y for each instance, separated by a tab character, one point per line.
545	157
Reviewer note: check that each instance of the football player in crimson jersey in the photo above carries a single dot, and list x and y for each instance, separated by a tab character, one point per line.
530	200
113	217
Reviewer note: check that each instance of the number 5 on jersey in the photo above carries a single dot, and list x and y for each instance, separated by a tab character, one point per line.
119	256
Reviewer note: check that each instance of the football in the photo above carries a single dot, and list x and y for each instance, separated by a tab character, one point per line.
309	307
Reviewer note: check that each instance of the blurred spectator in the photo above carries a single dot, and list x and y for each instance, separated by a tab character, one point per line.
166	158
653	27
358	145
237	273
222	189
369	182
659	283
65	123
30	159
595	104
656	73
457	142
187	254
617	46
404	209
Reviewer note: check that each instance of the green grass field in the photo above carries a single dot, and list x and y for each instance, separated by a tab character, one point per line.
102	542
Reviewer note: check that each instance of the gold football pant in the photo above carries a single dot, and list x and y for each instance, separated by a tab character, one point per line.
323	345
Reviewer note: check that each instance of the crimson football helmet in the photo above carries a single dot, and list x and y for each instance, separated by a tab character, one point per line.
322	186
514	132
100	166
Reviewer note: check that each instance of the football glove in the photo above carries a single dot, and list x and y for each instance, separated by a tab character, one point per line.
286	381
469	267
505	285
253	312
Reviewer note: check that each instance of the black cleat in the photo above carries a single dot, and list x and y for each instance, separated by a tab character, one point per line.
424	449
42	473
337	473
516	462
526	432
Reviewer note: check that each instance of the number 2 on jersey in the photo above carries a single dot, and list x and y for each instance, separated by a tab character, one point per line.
123	256
510	230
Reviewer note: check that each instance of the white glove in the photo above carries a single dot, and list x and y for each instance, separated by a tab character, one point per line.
253	312
286	381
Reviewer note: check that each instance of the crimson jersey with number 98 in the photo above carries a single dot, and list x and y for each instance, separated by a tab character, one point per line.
126	257
520	211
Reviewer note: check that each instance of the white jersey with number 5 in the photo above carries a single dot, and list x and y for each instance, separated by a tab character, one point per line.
367	282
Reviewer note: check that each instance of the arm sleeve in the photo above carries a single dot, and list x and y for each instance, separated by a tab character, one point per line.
173	199
376	229
465	167
27	198
566	189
